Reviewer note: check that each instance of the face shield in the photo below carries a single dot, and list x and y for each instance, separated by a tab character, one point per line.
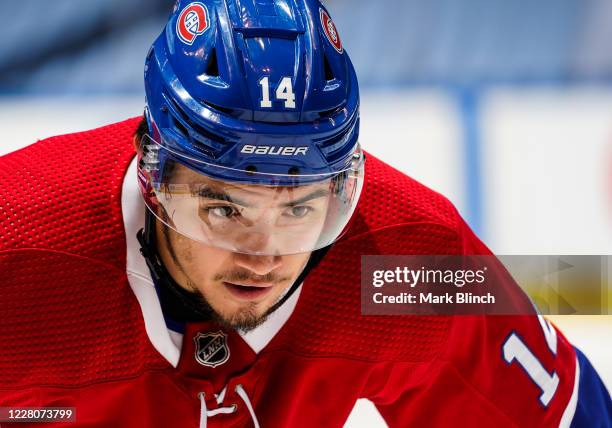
259	213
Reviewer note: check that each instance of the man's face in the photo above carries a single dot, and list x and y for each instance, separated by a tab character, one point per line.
236	287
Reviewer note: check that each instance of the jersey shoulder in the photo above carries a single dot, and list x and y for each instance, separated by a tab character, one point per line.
70	316
63	193
392	198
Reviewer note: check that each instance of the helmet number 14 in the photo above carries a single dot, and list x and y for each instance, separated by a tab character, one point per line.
284	91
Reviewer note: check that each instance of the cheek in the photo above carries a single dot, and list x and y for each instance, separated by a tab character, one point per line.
295	263
204	262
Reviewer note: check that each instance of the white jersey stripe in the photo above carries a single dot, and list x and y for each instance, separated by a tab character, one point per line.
570	410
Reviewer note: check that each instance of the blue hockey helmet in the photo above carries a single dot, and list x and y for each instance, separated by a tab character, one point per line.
253	115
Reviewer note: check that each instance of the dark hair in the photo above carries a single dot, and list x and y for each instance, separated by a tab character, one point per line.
141	130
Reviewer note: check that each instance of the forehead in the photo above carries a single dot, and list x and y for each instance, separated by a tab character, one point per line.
184	175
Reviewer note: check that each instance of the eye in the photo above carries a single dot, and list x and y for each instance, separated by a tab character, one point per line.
299	211
224	211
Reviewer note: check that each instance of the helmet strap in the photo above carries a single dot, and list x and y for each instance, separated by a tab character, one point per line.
178	304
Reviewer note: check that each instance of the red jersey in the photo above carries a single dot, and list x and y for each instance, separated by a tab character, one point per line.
81	324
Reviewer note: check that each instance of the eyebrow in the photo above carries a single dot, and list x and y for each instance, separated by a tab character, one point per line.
210	193
313	195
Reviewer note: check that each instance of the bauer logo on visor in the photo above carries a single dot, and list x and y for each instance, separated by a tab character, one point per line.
329	28
192	22
274	150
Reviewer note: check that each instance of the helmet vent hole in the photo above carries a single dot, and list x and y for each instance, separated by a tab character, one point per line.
219	108
329	74
212	69
251	169
181	128
294	170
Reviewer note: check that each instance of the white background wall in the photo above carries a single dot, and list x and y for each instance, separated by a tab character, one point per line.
546	168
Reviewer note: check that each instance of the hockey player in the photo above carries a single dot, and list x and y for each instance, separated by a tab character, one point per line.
212	278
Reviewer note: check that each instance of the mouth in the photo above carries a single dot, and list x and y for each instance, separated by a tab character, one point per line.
248	292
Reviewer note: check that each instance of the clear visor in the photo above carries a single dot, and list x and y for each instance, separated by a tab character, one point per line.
258	219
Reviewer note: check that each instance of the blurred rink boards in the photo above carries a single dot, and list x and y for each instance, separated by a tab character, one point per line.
530	168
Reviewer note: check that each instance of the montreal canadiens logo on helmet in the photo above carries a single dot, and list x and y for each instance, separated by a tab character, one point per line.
329	28
192	22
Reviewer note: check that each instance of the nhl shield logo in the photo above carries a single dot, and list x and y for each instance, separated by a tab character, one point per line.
329	28
192	22
211	349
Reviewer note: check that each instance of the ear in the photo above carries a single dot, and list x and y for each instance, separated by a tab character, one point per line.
142	129
135	142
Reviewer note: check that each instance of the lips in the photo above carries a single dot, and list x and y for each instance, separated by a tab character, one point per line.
248	292
252	284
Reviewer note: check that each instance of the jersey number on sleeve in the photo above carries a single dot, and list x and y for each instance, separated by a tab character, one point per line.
515	349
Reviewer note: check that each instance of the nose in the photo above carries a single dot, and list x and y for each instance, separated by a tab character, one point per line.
259	265
252	246
254	242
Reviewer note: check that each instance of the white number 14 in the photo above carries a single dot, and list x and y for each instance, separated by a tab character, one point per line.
284	91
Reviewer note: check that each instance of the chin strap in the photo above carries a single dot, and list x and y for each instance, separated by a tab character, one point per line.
177	303
315	258
182	305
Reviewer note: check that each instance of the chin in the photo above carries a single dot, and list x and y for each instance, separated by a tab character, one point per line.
244	318
246	321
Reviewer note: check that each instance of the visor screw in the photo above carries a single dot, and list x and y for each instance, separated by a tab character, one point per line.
294	170
164	109
251	169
